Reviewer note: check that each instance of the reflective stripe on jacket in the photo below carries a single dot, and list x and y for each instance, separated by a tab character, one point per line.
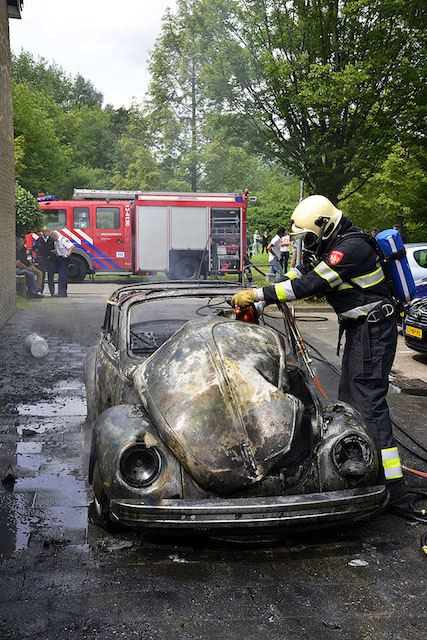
348	274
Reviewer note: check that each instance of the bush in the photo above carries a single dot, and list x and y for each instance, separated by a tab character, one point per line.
27	213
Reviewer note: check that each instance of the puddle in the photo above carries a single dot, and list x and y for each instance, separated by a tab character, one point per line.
72	406
66	398
48	504
16	524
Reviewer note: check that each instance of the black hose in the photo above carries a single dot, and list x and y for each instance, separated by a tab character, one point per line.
396	424
424	542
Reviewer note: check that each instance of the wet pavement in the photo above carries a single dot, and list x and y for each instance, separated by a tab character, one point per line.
63	577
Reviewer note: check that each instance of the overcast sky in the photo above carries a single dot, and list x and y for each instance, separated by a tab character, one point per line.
107	41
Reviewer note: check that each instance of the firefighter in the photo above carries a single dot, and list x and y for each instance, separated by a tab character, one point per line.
345	269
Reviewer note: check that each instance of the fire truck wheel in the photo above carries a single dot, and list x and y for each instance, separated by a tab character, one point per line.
77	269
186	268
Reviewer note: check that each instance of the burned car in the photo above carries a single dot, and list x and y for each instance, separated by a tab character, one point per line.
202	421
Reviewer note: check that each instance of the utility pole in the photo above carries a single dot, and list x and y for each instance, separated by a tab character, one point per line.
299	240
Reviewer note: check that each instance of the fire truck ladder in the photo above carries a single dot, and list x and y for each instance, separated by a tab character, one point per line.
104	194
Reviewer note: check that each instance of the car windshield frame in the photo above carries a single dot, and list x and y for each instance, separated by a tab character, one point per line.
165	295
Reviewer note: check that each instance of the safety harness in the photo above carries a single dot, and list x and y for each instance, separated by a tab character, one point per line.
383	309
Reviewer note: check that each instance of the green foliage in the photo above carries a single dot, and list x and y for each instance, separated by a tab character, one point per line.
53	81
323	87
277	197
248	94
177	103
27	212
396	193
40	158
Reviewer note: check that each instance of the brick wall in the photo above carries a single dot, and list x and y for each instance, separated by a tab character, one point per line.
7	176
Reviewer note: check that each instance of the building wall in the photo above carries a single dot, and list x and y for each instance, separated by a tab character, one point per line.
7	176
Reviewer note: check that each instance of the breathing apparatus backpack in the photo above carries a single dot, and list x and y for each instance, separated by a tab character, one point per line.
391	253
391	245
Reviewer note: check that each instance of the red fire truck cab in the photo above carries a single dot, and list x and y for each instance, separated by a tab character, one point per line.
185	235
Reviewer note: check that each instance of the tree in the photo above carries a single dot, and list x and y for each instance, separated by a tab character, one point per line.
27	212
177	103
323	86
40	159
396	193
51	79
277	194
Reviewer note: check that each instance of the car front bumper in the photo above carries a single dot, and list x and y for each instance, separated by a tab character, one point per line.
298	511
415	334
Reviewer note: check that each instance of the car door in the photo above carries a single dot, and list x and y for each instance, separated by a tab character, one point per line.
108	379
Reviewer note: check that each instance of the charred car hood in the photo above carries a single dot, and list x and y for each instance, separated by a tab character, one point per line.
216	394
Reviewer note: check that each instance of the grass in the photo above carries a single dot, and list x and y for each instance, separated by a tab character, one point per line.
21	303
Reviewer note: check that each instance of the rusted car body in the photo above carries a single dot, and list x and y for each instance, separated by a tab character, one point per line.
204	422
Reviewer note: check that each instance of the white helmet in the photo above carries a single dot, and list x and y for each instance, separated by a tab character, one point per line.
313	214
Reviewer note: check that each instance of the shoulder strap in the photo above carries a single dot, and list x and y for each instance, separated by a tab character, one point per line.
384	261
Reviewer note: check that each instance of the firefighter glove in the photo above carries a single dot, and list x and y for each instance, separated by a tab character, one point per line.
247	297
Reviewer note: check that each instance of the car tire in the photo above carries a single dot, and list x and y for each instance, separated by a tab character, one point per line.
77	269
187	268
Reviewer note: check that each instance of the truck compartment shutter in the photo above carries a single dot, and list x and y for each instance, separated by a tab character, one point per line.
152	251
189	227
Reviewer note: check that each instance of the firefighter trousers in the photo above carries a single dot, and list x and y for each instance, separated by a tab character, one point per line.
364	385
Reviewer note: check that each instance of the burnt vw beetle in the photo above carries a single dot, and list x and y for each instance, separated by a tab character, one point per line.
204	422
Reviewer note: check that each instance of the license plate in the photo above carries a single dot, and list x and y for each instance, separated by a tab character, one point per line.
413	331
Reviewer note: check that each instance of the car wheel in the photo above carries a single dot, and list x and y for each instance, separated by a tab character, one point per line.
77	269
187	268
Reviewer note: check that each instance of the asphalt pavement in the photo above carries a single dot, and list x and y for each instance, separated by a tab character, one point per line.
63	577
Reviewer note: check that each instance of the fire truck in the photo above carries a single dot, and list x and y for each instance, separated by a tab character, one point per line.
185	235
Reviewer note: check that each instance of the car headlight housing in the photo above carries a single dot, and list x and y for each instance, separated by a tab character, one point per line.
140	465
352	455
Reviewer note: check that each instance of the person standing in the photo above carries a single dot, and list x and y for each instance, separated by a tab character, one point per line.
274	254
63	249
255	246
46	259
402	235
264	242
347	272
285	244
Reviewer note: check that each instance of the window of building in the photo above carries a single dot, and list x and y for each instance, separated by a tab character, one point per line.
107	218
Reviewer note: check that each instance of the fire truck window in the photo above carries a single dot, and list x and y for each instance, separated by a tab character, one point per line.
81	218
55	218
107	218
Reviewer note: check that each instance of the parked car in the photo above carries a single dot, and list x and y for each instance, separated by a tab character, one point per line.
415	322
204	422
416	252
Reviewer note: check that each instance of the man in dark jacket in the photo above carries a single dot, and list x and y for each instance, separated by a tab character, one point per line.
46	259
347	272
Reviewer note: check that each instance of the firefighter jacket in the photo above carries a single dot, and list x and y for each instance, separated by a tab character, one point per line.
348	273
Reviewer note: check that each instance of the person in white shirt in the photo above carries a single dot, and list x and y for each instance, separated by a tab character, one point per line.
64	249
285	244
274	254
255	246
